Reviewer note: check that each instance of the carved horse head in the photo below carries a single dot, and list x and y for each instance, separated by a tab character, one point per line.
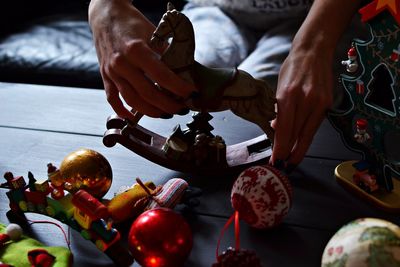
176	31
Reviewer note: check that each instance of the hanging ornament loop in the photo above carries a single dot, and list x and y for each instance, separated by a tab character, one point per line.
234	217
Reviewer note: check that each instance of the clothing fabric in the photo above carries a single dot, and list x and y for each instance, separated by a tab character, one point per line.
289	7
226	42
254	44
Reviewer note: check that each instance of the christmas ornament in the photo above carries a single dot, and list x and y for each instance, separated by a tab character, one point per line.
262	195
86	169
365	242
369	117
13	232
40	258
237	258
160	238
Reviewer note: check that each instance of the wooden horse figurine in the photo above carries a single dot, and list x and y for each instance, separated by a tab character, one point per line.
219	89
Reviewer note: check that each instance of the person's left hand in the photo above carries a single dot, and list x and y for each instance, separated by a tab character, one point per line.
304	94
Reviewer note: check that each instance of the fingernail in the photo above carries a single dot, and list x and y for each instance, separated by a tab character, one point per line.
183	111
166	116
278	164
290	168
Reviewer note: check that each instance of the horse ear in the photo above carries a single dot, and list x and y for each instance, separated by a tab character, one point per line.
170	6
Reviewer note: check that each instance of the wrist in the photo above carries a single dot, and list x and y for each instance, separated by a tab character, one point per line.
319	42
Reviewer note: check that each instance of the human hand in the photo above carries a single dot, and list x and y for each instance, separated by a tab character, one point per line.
304	94
129	66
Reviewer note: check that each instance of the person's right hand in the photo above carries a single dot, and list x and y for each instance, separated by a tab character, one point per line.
129	67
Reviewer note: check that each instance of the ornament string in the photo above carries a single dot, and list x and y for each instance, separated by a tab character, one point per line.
150	194
66	237
235	218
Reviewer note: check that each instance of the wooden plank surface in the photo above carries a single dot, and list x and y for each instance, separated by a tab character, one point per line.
41	124
85	111
35	148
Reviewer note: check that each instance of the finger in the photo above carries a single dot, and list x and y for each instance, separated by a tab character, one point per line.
283	129
157	71
303	110
306	136
145	88
114	100
133	99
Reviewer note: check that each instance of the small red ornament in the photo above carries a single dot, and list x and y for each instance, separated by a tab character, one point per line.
362	124
262	195
395	54
360	88
160	238
352	53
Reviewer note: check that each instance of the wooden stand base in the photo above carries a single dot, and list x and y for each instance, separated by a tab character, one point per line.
388	201
149	145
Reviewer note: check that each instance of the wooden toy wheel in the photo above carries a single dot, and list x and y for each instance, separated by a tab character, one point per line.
31	206
50	211
41	209
100	244
23	206
86	234
14	207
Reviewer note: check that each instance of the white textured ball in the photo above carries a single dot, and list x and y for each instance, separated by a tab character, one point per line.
14	231
366	242
262	195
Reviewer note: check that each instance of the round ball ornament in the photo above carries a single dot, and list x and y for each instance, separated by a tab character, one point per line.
86	169
365	242
160	238
262	195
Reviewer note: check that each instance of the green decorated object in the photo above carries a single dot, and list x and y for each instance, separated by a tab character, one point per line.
366	242
369	118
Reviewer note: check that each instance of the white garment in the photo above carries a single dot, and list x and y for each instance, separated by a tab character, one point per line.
289	7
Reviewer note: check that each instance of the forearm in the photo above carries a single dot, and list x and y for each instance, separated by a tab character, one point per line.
110	9
324	25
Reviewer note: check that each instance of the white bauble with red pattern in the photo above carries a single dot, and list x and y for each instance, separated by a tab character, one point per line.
262	195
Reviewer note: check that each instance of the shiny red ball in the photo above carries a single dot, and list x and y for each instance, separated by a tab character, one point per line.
160	238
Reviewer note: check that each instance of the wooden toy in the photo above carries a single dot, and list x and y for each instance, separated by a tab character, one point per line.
80	210
364	242
218	90
145	196
93	219
369	118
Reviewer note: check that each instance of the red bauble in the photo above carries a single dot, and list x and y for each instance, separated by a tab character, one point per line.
160	238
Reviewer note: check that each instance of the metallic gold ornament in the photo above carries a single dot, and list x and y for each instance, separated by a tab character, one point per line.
86	169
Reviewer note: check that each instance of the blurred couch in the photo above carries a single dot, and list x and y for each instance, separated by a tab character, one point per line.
49	42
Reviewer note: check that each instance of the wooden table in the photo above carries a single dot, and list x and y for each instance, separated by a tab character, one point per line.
41	124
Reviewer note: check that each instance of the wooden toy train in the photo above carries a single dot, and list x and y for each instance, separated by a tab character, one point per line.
80	210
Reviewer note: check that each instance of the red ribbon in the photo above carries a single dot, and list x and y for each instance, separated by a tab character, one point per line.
234	217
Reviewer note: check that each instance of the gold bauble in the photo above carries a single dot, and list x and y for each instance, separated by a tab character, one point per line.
86	169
